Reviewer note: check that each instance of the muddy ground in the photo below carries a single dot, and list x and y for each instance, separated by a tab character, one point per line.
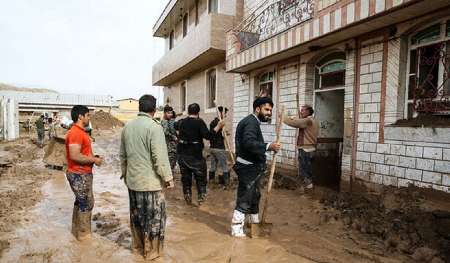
322	226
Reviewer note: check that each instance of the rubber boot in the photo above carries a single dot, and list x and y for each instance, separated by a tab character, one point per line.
84	231
237	224
187	192
201	197
226	179
75	221
221	180
212	177
152	249
254	224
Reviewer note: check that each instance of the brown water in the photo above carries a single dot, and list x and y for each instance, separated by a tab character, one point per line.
193	234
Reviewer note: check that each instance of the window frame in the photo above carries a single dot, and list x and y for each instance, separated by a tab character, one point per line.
208	90
185	24
183	103
319	69
444	38
216	11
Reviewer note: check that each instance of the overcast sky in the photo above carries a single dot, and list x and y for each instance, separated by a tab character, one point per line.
80	46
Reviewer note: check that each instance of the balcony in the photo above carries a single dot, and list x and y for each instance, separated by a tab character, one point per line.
202	47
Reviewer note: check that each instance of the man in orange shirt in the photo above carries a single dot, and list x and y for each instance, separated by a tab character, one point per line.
80	160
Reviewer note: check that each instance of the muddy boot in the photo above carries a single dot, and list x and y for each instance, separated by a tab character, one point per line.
237	224
226	179
75	221
152	249
212	177
84	231
201	198
254	225
221	181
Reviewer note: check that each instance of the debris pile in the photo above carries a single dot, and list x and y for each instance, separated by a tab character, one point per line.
101	120
397	218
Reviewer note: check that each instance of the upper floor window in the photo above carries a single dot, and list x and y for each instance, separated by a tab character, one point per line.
330	71
183	96
171	36
196	12
185	24
264	87
429	70
213	6
211	88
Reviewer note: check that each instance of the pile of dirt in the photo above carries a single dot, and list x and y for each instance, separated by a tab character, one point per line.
398	220
108	225
55	153
101	120
425	121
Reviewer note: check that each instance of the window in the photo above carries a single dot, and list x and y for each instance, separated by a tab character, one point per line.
171	40
183	96
211	86
185	24
428	72
212	6
330	71
196	12
264	86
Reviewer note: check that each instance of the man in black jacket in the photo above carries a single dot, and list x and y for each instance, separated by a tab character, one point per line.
250	163
218	152
192	130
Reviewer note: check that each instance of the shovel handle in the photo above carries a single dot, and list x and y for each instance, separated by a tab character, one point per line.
272	165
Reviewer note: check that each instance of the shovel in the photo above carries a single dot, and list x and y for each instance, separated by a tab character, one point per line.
265	228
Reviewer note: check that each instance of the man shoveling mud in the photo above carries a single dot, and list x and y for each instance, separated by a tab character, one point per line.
218	153
306	142
250	164
80	160
146	169
40	128
192	131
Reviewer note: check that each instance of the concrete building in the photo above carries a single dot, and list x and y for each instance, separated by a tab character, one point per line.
9	119
193	66
127	109
364	65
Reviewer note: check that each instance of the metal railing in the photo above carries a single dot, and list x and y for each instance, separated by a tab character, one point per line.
271	18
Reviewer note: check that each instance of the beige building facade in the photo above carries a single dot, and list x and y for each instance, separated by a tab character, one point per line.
193	66
376	73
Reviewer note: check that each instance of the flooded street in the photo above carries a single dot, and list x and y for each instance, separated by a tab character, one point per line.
194	234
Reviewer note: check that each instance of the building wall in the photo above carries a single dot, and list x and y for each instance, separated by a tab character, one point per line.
374	152
196	92
130	105
9	119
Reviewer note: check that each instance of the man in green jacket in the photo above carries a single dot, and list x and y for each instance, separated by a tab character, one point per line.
146	170
40	131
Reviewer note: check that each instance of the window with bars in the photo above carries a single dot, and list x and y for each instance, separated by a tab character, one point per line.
330	71
264	86
429	70
211	88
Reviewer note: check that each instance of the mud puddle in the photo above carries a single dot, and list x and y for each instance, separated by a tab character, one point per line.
193	234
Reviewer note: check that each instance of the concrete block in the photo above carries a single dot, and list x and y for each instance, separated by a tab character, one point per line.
397	171
375	67
376	77
404	182
383	148
376	178
376	97
374	117
389	180
408	162
446	155
398	149
374	137
413	174
377	158
363	156
392	159
366	78
365	98
364	69
430	177
414	151
371	107
370	147
364	117
368	167
425	164
442	166
382	169
446	179
432	153
364	88
375	87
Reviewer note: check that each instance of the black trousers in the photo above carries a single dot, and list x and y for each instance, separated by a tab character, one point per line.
192	167
248	192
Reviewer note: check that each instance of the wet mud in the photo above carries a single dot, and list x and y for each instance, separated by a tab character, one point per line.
312	227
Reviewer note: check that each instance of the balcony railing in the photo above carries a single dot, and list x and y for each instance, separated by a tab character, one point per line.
271	19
